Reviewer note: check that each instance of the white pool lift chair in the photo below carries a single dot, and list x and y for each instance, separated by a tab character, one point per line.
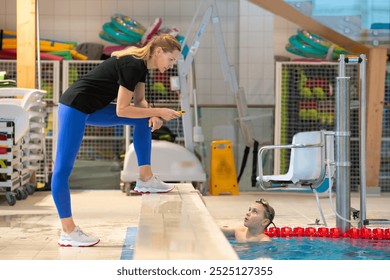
311	165
310	153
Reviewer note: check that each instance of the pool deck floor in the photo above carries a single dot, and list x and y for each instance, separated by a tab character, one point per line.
29	230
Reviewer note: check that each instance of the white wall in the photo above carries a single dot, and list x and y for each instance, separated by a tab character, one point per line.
256	53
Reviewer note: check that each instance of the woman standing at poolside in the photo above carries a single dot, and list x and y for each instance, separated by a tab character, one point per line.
88	102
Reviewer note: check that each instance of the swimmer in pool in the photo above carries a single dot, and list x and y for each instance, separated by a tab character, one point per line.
259	216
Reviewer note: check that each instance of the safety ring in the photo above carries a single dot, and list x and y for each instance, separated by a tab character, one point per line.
298	52
313	40
103	35
150	31
128	25
115	33
302	46
319	43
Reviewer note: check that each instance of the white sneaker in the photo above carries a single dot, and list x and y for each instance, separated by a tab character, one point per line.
77	238
153	185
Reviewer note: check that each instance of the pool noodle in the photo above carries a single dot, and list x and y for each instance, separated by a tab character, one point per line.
11	43
11	54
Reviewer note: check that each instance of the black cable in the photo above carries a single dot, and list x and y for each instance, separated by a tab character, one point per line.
243	163
254	163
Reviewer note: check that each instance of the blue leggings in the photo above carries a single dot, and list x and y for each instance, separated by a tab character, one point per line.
72	124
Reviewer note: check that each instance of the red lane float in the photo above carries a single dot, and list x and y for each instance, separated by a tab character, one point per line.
355	233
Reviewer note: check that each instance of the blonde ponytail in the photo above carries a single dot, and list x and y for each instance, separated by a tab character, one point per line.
167	42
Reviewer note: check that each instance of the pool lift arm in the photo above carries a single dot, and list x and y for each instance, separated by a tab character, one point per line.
184	67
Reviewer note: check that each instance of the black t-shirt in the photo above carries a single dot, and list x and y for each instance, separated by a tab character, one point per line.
99	87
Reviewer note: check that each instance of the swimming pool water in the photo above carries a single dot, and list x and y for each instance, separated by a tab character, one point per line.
306	248
295	248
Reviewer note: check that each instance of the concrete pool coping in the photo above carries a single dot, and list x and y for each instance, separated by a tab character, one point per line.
177	225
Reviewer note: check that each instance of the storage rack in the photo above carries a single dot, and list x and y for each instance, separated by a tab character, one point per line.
50	72
305	100
22	140
10	181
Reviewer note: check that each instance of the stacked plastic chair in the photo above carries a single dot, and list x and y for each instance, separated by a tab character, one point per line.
22	122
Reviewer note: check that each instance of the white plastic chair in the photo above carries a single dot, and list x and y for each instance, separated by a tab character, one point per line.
16	114
21	96
310	153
